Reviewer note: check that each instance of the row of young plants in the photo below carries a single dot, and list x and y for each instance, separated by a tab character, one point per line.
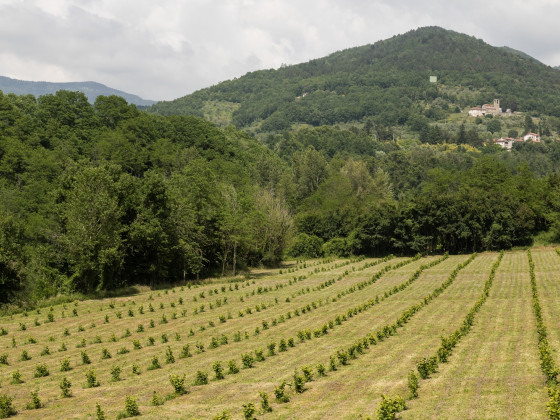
249	359
303	335
548	365
390	406
140	309
342	357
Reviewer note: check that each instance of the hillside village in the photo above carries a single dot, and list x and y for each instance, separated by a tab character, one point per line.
508	142
490	109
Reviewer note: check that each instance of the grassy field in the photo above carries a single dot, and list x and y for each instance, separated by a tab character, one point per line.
345	316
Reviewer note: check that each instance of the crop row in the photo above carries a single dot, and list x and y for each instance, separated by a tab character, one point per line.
390	406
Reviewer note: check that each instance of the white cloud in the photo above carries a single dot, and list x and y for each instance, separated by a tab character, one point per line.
166	49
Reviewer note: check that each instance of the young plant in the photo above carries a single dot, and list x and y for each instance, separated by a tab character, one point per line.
35	402
91	379
116	373
65	387
178	384
201	378
218	370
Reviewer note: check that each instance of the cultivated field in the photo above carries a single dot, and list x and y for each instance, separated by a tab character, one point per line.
328	337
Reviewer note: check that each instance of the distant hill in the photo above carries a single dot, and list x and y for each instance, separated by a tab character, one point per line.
91	89
386	82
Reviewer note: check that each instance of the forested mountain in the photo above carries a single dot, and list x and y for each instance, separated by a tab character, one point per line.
91	89
387	82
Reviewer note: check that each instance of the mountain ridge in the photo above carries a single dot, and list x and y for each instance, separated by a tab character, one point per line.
89	88
386	81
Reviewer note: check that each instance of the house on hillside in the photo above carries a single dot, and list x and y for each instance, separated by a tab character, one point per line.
505	142
508	142
489	109
534	137
476	112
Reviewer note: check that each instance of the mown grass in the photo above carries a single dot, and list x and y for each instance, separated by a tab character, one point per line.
493	373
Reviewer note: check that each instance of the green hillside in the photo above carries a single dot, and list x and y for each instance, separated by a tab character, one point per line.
387	82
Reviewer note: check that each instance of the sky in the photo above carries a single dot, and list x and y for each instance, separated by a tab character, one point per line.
165	49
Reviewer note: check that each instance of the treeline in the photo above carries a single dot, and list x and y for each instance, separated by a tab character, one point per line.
97	197
103	196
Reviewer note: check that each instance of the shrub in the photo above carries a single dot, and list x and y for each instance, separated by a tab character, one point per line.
65	365
185	352
91	379
105	354
307	373
169	358
155	363
24	356
218	369
35	401
299	383
85	358
4	359
41	370
413	384
337	247
46	351
156	399
136	369
249	411
265	404
6	408
201	378
99	412
305	245
280	393
131	407
16	377
247	360
178	384
389	407
65	386
232	367
116	373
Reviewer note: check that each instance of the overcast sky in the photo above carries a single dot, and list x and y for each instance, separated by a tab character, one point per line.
165	49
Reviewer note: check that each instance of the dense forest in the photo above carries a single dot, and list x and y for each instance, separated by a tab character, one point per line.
97	197
387	82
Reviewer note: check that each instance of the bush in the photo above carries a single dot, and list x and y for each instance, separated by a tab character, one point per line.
413	384
99	412
131	407
16	378
91	379
336	247
389	407
85	358
6	408
116	373
265	404
155	363
65	386
41	370
247	360
35	401
156	400
201	378
178	384
280	393
249	411
308	246
299	383
232	367
218	369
